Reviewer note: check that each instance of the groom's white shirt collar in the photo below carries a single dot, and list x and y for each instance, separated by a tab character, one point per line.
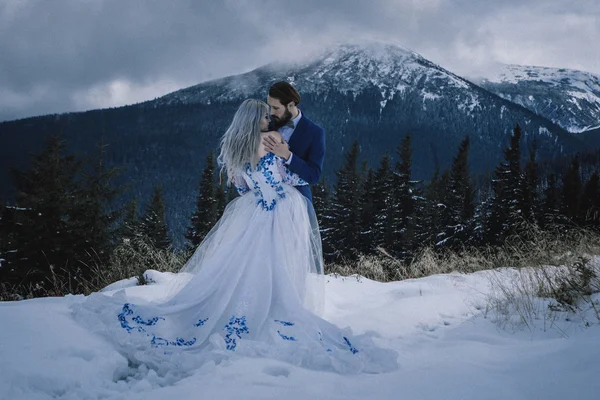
286	132
297	119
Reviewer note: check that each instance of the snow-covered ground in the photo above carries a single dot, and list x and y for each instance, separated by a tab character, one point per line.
447	344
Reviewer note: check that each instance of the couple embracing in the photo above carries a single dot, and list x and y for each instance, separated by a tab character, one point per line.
254	286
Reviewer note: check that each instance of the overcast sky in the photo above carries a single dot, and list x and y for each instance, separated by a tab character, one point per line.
73	55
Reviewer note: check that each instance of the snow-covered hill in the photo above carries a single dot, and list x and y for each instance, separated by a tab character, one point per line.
345	68
448	349
570	98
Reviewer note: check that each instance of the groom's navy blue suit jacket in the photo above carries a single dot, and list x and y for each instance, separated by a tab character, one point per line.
307	143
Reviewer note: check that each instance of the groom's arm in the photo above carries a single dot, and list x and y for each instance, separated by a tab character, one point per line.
309	169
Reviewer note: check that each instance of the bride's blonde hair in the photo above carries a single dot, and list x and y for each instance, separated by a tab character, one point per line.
240	142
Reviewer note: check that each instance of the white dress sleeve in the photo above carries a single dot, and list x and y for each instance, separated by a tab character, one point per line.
240	185
288	176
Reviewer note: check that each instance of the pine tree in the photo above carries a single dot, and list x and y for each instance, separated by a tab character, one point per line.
323	212
153	224
420	226
63	223
507	184
589	212
91	215
404	207
551	203
384	204
43	223
570	197
367	214
320	193
130	224
206	206
5	241
530	204
435	195
343	235
457	213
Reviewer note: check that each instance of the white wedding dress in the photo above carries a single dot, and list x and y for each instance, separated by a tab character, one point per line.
255	290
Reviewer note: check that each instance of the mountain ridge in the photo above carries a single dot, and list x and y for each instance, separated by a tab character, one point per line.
570	98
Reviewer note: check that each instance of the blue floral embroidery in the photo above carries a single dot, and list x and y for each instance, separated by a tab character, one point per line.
321	339
285	323
352	348
125	324
241	189
292	178
235	327
263	166
284	337
156	341
150	322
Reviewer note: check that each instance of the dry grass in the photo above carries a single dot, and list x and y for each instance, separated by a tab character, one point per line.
524	297
129	259
535	248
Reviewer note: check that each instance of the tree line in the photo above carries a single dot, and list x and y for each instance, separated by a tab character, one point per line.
383	210
65	220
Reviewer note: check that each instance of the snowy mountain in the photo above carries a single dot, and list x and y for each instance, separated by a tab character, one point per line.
359	91
346	68
394	89
570	98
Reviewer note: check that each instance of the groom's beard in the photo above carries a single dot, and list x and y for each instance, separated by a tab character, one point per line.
277	123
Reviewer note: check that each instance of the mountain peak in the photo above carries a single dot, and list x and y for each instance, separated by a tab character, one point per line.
344	67
513	73
372	50
573	101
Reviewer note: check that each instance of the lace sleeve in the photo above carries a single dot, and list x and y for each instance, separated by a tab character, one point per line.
288	176
240	185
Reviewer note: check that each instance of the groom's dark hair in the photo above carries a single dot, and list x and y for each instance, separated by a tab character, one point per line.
285	93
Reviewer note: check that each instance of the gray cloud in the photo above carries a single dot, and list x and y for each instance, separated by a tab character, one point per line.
69	55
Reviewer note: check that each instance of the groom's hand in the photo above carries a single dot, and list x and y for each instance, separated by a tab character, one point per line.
277	145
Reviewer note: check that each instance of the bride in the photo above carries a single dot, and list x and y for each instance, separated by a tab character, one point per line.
253	287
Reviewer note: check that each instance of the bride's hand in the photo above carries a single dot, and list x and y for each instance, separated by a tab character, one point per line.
275	144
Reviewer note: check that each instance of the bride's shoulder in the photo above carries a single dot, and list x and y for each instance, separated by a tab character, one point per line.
276	134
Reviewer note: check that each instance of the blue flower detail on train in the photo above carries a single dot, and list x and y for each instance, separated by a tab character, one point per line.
127	319
235	328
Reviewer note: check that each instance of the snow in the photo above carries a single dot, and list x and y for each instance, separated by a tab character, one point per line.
347	67
544	131
576	93
502	110
430	96
589	128
469	104
449	348
512	73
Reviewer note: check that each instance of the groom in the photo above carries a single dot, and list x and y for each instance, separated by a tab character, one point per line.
303	145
